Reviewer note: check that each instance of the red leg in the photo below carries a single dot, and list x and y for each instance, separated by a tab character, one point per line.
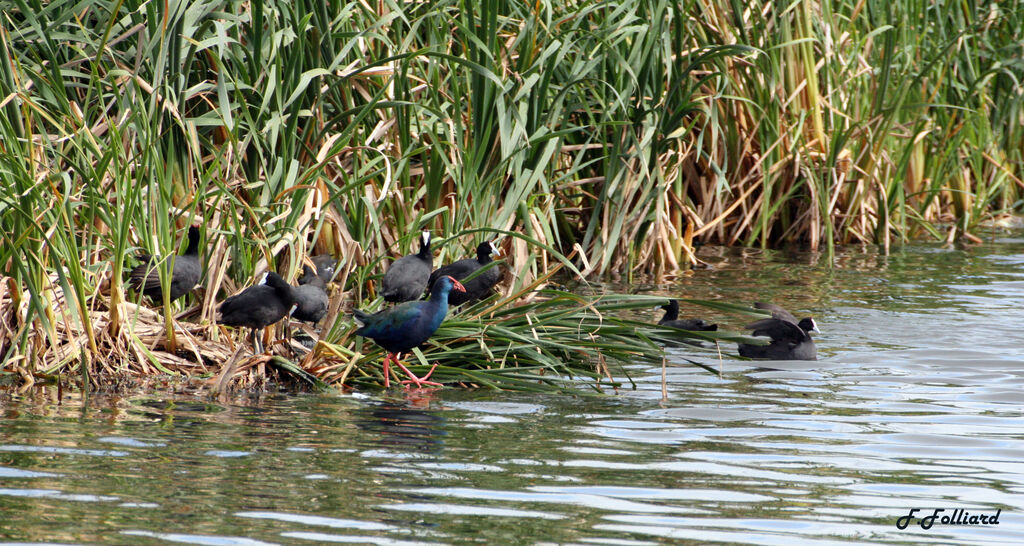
432	368
387	370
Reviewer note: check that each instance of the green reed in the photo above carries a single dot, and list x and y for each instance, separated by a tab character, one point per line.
609	132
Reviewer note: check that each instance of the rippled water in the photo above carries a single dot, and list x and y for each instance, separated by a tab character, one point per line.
915	403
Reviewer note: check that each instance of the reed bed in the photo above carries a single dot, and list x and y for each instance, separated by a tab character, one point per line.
600	137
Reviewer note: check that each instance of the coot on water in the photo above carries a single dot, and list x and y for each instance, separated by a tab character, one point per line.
790	340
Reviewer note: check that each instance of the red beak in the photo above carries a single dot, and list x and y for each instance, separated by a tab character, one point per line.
456	284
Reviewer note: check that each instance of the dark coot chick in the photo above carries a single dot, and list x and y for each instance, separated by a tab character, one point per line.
790	339
672	320
310	296
259	306
407	325
479	287
407	276
325	266
184	274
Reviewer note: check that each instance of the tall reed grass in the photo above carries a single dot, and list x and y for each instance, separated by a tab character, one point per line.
615	132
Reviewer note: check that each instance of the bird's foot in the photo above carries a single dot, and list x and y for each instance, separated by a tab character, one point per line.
418	381
421	384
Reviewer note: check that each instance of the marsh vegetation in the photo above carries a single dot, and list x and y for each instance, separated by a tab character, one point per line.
590	137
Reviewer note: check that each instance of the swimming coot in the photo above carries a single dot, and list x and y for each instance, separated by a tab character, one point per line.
310	296
790	339
672	320
259	306
479	287
407	276
407	325
184	274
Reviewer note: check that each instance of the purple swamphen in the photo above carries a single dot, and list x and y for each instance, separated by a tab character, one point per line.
408	325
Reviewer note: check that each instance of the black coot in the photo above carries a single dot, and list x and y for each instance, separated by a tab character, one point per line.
325	266
184	275
791	340
310	297
672	320
259	306
407	325
479	287
407	276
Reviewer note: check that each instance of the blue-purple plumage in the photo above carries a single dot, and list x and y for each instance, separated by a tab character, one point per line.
407	325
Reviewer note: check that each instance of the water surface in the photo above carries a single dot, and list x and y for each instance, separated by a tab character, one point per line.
915	403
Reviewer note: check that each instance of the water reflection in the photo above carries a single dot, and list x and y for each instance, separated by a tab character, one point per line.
915	404
402	428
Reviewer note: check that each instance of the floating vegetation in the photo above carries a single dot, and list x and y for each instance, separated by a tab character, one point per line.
549	341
